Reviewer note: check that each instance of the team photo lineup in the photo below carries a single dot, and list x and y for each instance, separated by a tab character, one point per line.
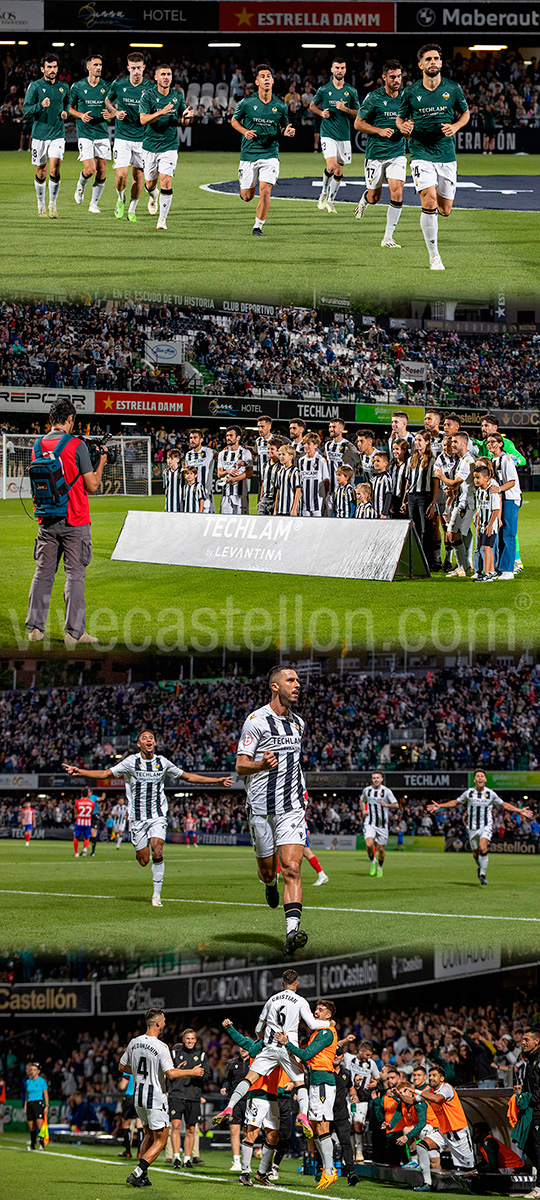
269	781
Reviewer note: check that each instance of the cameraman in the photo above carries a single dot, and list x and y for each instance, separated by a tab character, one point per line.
69	536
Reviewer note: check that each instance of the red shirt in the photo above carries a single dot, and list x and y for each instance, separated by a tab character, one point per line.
78	510
84	810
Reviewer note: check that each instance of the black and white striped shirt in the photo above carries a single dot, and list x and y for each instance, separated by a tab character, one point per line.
149	1059
401	437
269	482
420	478
173	484
398	476
282	789
261	447
381	490
365	512
238	459
288	481
144	781
368	470
313	474
479	807
376	812
193	494
344	501
337	453
203	461
488	501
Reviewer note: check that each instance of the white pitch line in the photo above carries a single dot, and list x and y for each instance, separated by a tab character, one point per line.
162	1170
392	912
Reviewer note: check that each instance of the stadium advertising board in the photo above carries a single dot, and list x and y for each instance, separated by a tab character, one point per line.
380	550
413	372
47	999
510	779
22	16
168	16
317	780
169	354
218	407
381	414
153	404
39	399
451	962
468	18
135	996
306	16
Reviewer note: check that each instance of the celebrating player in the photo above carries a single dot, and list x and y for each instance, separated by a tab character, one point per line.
275	796
159	111
87	105
319	1054
260	118
386	150
336	102
426	118
149	1060
123	102
46	102
480	801
450	1117
378	800
145	774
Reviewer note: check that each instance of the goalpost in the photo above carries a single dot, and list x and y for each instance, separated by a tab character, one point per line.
130	475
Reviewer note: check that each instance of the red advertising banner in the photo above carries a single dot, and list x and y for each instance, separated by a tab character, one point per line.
150	404
306	16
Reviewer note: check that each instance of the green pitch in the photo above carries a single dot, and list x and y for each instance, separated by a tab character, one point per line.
180	610
95	1172
209	251
213	903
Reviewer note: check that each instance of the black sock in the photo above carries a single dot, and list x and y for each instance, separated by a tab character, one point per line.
33	1138
127	1141
94	840
143	1165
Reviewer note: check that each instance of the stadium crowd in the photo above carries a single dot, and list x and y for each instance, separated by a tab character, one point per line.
292	354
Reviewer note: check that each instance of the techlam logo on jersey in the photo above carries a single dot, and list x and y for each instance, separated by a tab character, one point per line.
350	975
223	989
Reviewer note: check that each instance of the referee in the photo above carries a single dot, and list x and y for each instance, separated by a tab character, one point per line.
185	1096
36	1103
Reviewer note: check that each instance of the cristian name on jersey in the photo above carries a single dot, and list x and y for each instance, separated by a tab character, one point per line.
282	789
126	97
338	124
47	124
87	99
381	110
265	119
430	110
161	135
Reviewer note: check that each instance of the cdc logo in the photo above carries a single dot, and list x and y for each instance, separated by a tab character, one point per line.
425	17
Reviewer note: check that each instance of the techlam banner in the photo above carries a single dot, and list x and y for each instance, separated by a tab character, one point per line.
147	404
305	16
383	550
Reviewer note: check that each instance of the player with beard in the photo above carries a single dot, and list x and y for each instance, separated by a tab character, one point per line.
46	102
337	104
386	150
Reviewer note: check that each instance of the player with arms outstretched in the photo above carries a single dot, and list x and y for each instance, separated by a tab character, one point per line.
480	801
144	774
260	118
159	112
87	105
427	117
337	104
46	102
386	149
123	101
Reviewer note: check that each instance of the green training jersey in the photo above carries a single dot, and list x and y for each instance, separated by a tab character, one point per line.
265	118
381	110
127	97
46	122
429	110
338	124
161	135
85	98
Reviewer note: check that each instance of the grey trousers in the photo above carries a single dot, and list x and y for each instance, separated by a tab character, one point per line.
74	543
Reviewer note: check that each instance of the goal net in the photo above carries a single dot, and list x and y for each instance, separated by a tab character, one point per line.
130	475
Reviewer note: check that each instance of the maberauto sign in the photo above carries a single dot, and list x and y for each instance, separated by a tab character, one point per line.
37	399
478	18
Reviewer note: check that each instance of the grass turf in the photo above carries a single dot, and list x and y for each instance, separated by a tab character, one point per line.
95	1172
208	250
147	607
214	904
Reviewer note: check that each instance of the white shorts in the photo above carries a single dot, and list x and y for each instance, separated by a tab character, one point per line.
119	826
234	505
377	832
276	1055
434	1135
277	829
127	154
155	1118
340	150
260	170
440	175
377	170
163	163
308	512
458	1142
475	835
262	1112
321	1101
143	831
41	151
88	148
461	522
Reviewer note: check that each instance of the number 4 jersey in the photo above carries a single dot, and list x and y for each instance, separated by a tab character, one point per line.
149	1059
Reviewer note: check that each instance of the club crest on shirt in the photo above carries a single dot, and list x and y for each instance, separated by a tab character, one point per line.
446	95
247	739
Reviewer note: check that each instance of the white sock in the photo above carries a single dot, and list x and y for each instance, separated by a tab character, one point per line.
392	217
97	191
133	204
164	205
303	1100
158	871
326	183
429	224
359	1142
266	1159
239	1092
324	1146
54	188
483	860
292	923
121	193
187	1158
333	187
258	223
425	1165
83	180
39	185
247	1155
237	1161
118	840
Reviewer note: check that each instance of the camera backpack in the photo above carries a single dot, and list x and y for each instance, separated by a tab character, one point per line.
48	484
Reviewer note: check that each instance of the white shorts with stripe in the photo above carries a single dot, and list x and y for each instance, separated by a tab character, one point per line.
155	1118
143	831
440	175
321	1101
458	1142
93	148
336	149
128	154
262	1112
475	836
277	829
377	832
260	170
41	151
434	1135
